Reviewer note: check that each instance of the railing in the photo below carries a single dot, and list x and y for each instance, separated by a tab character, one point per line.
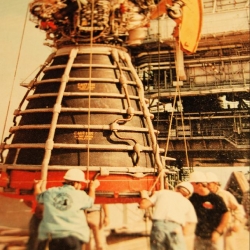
209	87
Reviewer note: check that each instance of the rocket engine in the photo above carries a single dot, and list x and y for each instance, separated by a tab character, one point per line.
88	110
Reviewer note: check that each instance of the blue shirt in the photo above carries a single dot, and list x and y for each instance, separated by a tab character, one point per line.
63	214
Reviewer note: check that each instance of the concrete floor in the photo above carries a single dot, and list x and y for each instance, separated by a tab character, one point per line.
15	215
131	242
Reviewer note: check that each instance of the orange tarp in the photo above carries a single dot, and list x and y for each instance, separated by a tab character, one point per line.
189	24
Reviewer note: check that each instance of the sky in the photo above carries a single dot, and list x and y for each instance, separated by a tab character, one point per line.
21	53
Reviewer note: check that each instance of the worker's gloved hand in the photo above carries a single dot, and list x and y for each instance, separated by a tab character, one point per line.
144	194
95	184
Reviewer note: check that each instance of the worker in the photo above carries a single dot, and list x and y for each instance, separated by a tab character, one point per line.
246	205
186	189
212	214
171	213
64	225
236	219
98	218
34	222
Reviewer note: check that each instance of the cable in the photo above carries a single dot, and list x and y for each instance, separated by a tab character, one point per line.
90	82
17	63
177	43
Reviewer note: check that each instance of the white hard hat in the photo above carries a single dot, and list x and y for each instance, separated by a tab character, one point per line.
75	174
197	176
187	185
211	177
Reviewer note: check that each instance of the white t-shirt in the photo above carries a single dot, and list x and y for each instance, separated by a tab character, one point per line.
232	204
172	206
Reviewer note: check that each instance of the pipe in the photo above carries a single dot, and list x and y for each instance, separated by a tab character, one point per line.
57	109
168	95
78	126
204	60
146	113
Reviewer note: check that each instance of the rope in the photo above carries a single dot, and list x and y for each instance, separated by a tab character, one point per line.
156	180
17	63
148	216
184	135
89	90
170	124
177	43
158	77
